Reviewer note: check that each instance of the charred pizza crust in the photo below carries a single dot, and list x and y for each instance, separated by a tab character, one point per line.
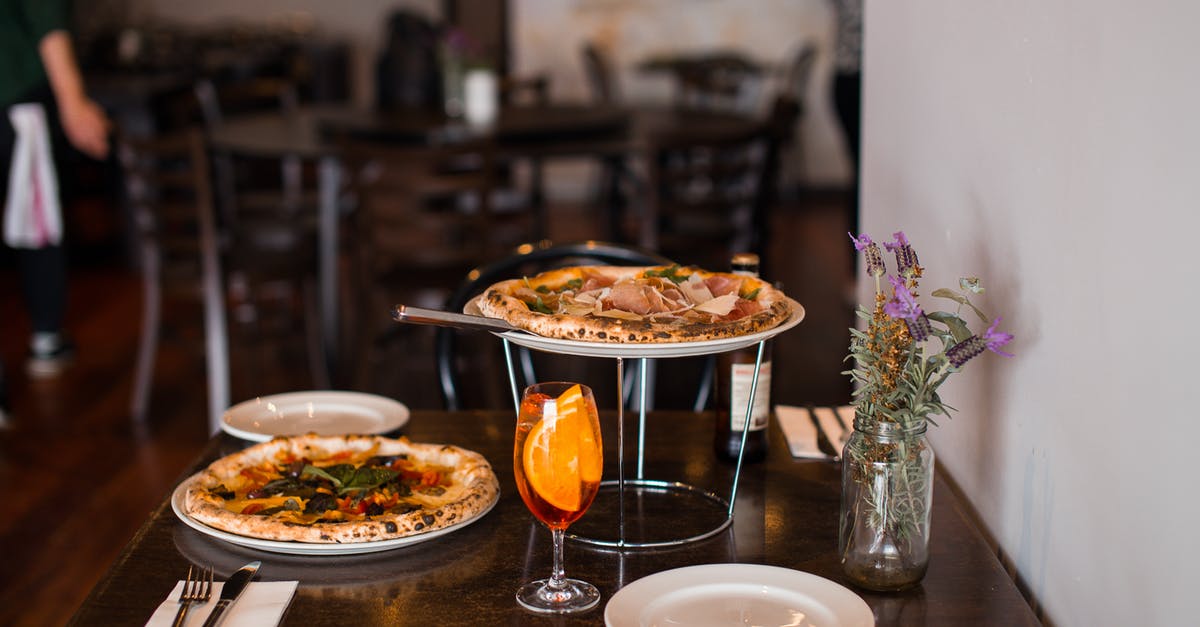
467	488
519	302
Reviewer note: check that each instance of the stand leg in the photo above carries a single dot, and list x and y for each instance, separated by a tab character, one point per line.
641	466
512	377
620	453
737	473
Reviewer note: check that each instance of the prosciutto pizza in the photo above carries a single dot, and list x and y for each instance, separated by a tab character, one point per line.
341	489
629	304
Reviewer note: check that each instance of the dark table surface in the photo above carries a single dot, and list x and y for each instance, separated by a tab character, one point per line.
548	130
787	513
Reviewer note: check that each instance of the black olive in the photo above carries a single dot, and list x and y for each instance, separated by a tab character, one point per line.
374	509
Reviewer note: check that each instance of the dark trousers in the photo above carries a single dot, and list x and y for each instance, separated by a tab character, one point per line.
43	270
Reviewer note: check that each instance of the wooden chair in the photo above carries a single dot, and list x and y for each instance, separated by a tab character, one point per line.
267	209
424	216
711	194
167	188
478	353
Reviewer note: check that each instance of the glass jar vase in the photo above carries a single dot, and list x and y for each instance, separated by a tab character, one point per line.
887	491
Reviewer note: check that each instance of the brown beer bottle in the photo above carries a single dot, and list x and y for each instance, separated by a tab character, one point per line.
734	374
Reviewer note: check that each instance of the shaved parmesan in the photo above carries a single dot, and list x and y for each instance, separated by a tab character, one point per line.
695	290
718	306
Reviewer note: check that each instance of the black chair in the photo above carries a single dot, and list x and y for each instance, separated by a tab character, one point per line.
527	260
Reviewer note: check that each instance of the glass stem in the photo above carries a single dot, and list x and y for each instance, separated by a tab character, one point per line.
557	580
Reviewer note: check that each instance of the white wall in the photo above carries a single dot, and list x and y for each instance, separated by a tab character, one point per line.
1052	147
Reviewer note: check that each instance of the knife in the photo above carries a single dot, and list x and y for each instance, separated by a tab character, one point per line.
230	592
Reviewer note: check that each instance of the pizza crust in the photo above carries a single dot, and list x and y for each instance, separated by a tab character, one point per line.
501	301
473	490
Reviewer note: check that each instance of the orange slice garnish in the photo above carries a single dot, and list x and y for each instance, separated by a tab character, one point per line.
563	451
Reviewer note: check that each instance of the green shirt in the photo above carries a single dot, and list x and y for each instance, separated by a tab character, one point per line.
23	24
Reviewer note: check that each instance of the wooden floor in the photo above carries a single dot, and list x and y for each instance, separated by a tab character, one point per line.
79	477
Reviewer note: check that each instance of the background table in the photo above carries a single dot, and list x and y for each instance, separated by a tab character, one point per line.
787	514
613	135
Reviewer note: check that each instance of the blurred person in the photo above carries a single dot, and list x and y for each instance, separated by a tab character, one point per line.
42	97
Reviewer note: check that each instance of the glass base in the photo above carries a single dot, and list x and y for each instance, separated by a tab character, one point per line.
573	596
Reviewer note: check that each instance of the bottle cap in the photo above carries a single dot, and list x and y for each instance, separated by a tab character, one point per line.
744	262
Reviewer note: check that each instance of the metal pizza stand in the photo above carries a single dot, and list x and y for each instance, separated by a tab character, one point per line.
639	487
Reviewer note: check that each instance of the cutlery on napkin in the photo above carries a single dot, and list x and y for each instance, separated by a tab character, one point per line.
804	426
833	423
263	603
800	432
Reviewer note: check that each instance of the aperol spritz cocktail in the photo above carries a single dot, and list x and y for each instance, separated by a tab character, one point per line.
558	460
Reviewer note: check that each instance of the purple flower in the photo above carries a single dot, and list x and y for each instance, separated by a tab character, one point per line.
861	242
871	252
962	352
995	340
904	305
906	257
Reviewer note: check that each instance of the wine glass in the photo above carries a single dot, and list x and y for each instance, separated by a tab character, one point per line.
558	459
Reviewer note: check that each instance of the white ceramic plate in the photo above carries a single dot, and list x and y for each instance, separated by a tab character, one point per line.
306	548
320	412
736	594
633	351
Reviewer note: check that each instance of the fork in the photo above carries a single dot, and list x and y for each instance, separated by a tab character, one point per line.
196	589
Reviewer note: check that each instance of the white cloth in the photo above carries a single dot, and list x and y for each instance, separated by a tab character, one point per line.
261	605
32	215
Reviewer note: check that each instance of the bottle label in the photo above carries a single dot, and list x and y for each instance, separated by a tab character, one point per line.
742	376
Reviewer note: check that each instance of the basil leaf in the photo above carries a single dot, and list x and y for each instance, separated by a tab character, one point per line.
670	273
540	307
575	283
367	478
752	294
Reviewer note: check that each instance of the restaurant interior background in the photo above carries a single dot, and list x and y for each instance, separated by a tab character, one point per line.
1046	147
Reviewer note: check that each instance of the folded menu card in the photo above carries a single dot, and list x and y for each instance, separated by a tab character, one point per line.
261	605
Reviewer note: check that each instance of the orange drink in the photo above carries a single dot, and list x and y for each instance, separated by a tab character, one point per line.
558	460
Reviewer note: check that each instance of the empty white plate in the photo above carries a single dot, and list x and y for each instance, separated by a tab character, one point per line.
736	594
321	412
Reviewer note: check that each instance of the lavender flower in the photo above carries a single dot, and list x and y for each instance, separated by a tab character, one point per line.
962	352
906	257
995	340
871	252
904	305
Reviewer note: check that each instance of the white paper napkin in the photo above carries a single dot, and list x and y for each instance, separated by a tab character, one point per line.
800	432
261	605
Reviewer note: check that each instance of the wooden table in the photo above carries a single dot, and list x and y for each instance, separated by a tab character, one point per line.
787	513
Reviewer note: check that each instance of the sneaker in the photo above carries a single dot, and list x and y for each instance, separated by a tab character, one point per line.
50	361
